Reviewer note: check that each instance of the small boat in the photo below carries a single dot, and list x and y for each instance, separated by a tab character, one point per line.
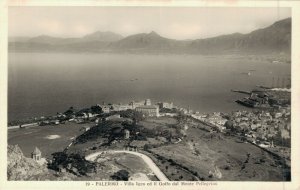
246	73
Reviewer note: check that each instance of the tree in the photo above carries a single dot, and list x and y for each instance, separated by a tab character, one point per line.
74	163
137	117
96	109
147	147
229	125
121	175
70	111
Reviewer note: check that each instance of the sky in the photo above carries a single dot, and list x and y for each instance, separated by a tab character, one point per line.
172	22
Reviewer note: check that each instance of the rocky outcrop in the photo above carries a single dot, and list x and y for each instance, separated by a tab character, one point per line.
20	167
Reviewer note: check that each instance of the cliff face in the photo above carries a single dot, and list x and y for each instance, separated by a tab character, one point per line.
21	168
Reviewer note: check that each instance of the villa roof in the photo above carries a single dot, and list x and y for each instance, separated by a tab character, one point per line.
36	151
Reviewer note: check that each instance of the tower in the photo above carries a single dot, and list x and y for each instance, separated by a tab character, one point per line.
36	155
147	102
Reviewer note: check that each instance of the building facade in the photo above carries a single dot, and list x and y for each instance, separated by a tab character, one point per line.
166	105
147	102
134	104
121	107
113	117
151	111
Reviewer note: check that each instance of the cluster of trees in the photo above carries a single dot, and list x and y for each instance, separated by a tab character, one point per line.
167	110
70	111
96	110
74	163
121	175
181	118
236	129
102	130
280	141
93	109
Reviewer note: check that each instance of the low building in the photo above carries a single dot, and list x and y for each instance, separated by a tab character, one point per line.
97	120
82	115
151	111
55	122
169	114
121	107
165	105
85	128
265	144
134	104
90	115
105	108
61	116
113	117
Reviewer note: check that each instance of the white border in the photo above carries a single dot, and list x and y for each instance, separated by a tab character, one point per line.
295	5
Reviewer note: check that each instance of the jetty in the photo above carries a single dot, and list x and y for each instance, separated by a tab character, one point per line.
241	91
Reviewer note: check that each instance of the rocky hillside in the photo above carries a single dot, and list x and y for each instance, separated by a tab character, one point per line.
21	168
275	38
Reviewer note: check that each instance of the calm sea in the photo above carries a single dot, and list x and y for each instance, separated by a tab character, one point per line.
47	83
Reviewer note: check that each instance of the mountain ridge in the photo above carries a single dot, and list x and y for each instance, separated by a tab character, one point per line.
275	38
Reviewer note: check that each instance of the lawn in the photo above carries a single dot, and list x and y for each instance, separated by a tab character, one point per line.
48	139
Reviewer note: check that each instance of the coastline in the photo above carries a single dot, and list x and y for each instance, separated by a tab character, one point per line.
86	121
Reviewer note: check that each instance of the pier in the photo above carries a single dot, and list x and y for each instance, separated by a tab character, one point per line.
241	91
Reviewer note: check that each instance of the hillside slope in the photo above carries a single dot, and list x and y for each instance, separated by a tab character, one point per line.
21	168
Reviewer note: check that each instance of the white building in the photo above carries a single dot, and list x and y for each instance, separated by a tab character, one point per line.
147	102
121	107
36	155
105	109
165	105
136	104
113	117
151	111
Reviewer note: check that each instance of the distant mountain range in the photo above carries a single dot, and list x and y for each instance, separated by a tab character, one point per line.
272	39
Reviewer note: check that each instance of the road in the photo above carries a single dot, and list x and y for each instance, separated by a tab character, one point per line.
159	174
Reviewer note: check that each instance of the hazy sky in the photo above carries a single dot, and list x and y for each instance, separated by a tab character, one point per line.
177	23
